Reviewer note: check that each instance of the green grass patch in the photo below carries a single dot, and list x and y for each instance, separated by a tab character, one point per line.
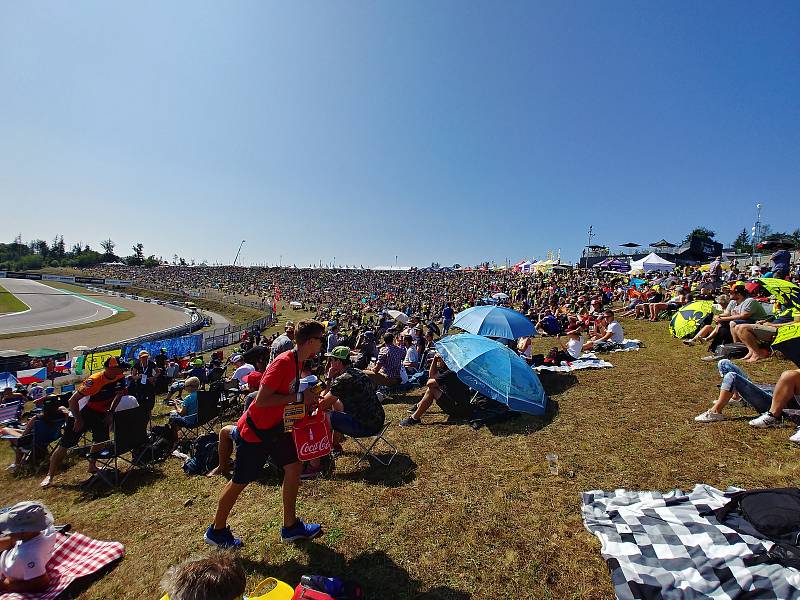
9	303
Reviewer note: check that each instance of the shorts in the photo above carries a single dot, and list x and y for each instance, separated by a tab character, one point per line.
673	306
190	422
251	457
764	333
92	421
346	424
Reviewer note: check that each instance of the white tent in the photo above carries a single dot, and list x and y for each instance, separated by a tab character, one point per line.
652	262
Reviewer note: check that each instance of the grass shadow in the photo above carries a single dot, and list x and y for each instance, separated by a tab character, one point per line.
403	470
100	488
377	574
82	584
555	383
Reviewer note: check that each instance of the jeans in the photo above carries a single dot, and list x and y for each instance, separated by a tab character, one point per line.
446	326
736	380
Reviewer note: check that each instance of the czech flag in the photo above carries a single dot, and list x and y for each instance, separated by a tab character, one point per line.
32	375
63	366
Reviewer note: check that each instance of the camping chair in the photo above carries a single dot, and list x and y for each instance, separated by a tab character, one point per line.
11	413
367	445
207	416
130	436
37	446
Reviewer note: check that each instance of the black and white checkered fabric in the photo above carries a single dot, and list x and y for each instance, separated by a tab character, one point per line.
658	546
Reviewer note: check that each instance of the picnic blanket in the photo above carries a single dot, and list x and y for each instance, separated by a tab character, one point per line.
658	546
74	556
587	360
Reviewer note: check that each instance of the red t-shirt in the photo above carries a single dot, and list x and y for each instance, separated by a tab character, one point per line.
280	376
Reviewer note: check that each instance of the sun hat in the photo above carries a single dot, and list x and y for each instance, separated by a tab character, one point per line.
143	353
25	517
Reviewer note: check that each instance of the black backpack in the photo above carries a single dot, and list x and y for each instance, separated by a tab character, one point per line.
772	514
158	447
204	456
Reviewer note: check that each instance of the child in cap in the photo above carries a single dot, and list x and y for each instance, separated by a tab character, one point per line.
27	539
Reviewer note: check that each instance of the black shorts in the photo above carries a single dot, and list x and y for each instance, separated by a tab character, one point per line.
92	421
251	457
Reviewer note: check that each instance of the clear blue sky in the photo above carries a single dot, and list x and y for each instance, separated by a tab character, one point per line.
448	131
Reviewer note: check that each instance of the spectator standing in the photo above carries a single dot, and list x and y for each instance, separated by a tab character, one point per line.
284	342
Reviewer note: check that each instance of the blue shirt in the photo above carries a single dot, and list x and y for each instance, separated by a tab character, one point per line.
190	408
447	313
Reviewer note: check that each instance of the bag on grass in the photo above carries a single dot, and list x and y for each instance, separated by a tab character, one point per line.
772	514
312	436
733	350
158	447
205	455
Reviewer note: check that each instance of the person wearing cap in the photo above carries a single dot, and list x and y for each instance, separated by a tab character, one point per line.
366	349
356	409
243	369
27	540
143	380
90	409
196	368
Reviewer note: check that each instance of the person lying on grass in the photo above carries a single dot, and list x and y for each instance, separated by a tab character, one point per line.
766	399
27	540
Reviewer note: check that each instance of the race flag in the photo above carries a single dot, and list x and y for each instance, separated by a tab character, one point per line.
63	366
32	375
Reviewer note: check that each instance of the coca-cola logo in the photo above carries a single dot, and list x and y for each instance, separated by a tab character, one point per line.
310	447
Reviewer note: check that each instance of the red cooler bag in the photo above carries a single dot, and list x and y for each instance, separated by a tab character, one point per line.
312	436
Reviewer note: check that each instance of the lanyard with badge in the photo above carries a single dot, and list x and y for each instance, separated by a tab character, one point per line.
294	411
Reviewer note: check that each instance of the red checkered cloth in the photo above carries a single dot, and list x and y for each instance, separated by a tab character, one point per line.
74	556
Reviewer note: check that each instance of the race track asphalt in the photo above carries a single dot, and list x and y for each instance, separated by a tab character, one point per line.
49	308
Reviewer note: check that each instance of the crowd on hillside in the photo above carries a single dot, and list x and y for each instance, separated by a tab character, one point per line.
373	334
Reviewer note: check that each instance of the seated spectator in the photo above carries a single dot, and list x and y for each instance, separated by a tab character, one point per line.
47	424
449	392
226	434
761	333
197	369
9	395
387	369
411	360
185	413
741	309
671	304
549	324
610	333
242	370
766	399
219	576
365	350
571	348
27	539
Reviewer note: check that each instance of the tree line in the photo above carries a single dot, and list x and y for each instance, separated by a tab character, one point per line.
36	254
743	244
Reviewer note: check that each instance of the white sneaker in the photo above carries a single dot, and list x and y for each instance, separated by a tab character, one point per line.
764	421
795	437
709	417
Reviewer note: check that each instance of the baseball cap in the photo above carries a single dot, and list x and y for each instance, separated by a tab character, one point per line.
143	353
340	352
24	517
236	358
253	379
113	361
197	362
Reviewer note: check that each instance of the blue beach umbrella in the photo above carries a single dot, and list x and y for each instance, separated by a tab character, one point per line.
494	321
494	370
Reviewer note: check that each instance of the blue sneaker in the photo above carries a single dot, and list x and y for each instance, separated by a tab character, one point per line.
222	538
300	531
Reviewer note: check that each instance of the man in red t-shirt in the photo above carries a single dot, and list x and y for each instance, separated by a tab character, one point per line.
260	434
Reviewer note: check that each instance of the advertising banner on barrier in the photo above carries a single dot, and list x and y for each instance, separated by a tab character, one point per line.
94	362
95	280
120	282
18	275
59	278
175	346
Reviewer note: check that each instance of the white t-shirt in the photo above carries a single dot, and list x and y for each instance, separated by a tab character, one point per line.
126	403
617	336
575	346
412	356
28	560
242	372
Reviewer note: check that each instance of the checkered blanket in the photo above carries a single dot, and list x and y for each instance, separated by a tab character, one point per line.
587	360
658	546
74	556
